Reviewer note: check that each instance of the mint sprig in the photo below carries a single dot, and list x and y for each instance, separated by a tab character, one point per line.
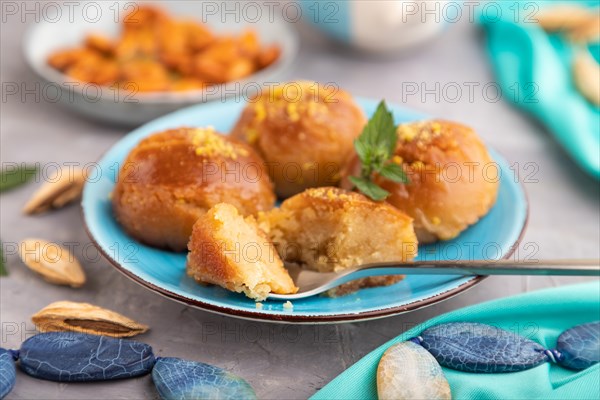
10	179
374	147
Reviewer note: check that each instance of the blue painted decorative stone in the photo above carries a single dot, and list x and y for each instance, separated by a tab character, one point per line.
7	372
474	347
177	379
579	347
78	357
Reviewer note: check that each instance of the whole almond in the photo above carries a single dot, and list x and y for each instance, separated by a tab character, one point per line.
53	262
586	74
65	187
70	316
563	17
586	32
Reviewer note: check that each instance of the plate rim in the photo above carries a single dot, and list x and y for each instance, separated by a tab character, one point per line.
291	317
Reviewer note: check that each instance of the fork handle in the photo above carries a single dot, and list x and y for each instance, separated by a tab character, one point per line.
312	283
499	267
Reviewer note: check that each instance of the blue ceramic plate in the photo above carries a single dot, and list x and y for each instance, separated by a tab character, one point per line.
494	236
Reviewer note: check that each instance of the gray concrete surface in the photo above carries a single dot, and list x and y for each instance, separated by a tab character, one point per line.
281	362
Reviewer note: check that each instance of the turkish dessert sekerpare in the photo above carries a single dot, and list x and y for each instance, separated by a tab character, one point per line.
194	182
304	131
231	251
328	229
172	178
453	181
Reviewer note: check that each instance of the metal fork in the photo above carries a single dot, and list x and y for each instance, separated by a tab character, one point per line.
311	283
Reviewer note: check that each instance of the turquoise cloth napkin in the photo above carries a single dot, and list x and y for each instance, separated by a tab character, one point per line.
534	71
540	316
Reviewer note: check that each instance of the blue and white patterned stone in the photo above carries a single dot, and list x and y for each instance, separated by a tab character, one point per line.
407	371
579	347
177	379
78	357
474	347
7	372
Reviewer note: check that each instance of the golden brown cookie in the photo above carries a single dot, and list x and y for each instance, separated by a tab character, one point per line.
172	178
304	131
453	179
231	251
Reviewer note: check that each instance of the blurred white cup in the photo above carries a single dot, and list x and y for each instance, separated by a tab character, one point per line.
379	26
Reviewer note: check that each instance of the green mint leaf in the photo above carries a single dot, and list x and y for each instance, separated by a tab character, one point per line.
12	178
383	122
378	138
379	159
369	188
363	149
3	271
393	172
379	126
369	133
375	146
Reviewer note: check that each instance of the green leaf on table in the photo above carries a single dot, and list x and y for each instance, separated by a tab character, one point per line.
11	178
393	172
369	188
3	271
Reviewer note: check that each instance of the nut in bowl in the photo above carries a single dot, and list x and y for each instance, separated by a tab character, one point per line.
134	62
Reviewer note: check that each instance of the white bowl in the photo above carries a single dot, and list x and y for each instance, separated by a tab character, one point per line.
119	106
